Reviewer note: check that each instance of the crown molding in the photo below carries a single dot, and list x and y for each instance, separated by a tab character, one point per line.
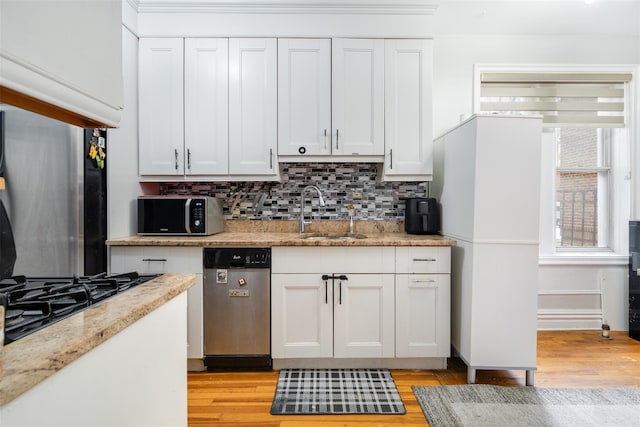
352	7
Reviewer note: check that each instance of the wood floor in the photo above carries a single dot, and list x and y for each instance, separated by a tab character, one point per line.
565	359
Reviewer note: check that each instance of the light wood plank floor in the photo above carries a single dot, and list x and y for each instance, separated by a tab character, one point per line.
565	359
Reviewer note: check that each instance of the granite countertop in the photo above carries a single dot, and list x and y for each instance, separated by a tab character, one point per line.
285	233
32	359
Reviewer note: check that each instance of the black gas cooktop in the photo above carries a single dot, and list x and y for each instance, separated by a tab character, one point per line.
36	302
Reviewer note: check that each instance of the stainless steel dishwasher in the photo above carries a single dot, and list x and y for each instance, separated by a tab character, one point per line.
237	308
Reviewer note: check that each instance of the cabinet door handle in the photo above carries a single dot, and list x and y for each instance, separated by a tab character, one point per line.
189	158
154	259
176	155
391	158
337	136
424	259
325	139
270	158
326	292
340	279
418	281
326	278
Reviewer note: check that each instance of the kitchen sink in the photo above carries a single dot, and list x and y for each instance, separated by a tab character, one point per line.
332	236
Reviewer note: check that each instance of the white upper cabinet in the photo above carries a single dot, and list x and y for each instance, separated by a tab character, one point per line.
183	106
218	108
358	96
161	135
331	98
304	96
206	108
408	110
253	106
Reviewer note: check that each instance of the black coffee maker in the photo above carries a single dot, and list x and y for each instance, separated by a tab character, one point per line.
421	216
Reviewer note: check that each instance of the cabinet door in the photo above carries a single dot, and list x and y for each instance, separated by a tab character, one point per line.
304	96
364	316
161	106
408	112
301	316
206	106
358	96
253	117
422	315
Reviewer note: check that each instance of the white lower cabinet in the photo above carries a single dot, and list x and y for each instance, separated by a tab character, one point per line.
423	301
166	259
301	316
383	306
363	310
377	303
332	302
422	325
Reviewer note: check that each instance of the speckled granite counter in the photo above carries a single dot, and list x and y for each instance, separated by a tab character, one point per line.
285	233
34	358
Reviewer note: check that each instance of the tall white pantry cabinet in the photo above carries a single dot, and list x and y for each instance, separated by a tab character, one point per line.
487	178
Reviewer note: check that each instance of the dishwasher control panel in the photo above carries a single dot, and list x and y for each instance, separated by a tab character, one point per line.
237	258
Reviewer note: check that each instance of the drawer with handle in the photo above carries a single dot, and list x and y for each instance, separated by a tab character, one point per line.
156	259
420	259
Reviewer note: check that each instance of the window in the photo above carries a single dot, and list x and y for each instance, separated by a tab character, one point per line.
582	181
584	118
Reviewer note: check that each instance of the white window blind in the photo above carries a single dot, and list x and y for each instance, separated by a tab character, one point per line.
563	99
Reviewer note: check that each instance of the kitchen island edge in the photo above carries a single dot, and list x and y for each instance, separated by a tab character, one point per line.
33	359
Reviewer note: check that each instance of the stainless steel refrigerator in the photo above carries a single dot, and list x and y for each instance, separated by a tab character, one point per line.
54	195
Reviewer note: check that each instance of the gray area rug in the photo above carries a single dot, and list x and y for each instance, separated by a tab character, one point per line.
487	405
336	391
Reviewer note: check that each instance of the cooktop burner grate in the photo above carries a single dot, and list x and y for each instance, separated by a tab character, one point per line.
34	303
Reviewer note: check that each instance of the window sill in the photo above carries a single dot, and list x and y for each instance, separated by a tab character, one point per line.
584	258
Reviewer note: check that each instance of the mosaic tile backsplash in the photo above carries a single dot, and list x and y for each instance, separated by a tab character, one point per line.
341	185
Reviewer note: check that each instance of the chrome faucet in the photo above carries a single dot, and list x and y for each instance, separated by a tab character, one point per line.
302	221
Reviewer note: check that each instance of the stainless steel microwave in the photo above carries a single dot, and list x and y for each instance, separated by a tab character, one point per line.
179	215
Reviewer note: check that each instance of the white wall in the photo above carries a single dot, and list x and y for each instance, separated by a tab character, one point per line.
122	150
523	32
534	32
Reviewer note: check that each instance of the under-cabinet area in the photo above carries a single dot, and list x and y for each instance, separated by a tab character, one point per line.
331	306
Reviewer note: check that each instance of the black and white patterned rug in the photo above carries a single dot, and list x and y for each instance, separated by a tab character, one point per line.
336	391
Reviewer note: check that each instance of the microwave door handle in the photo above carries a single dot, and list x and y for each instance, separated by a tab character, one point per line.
187	210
